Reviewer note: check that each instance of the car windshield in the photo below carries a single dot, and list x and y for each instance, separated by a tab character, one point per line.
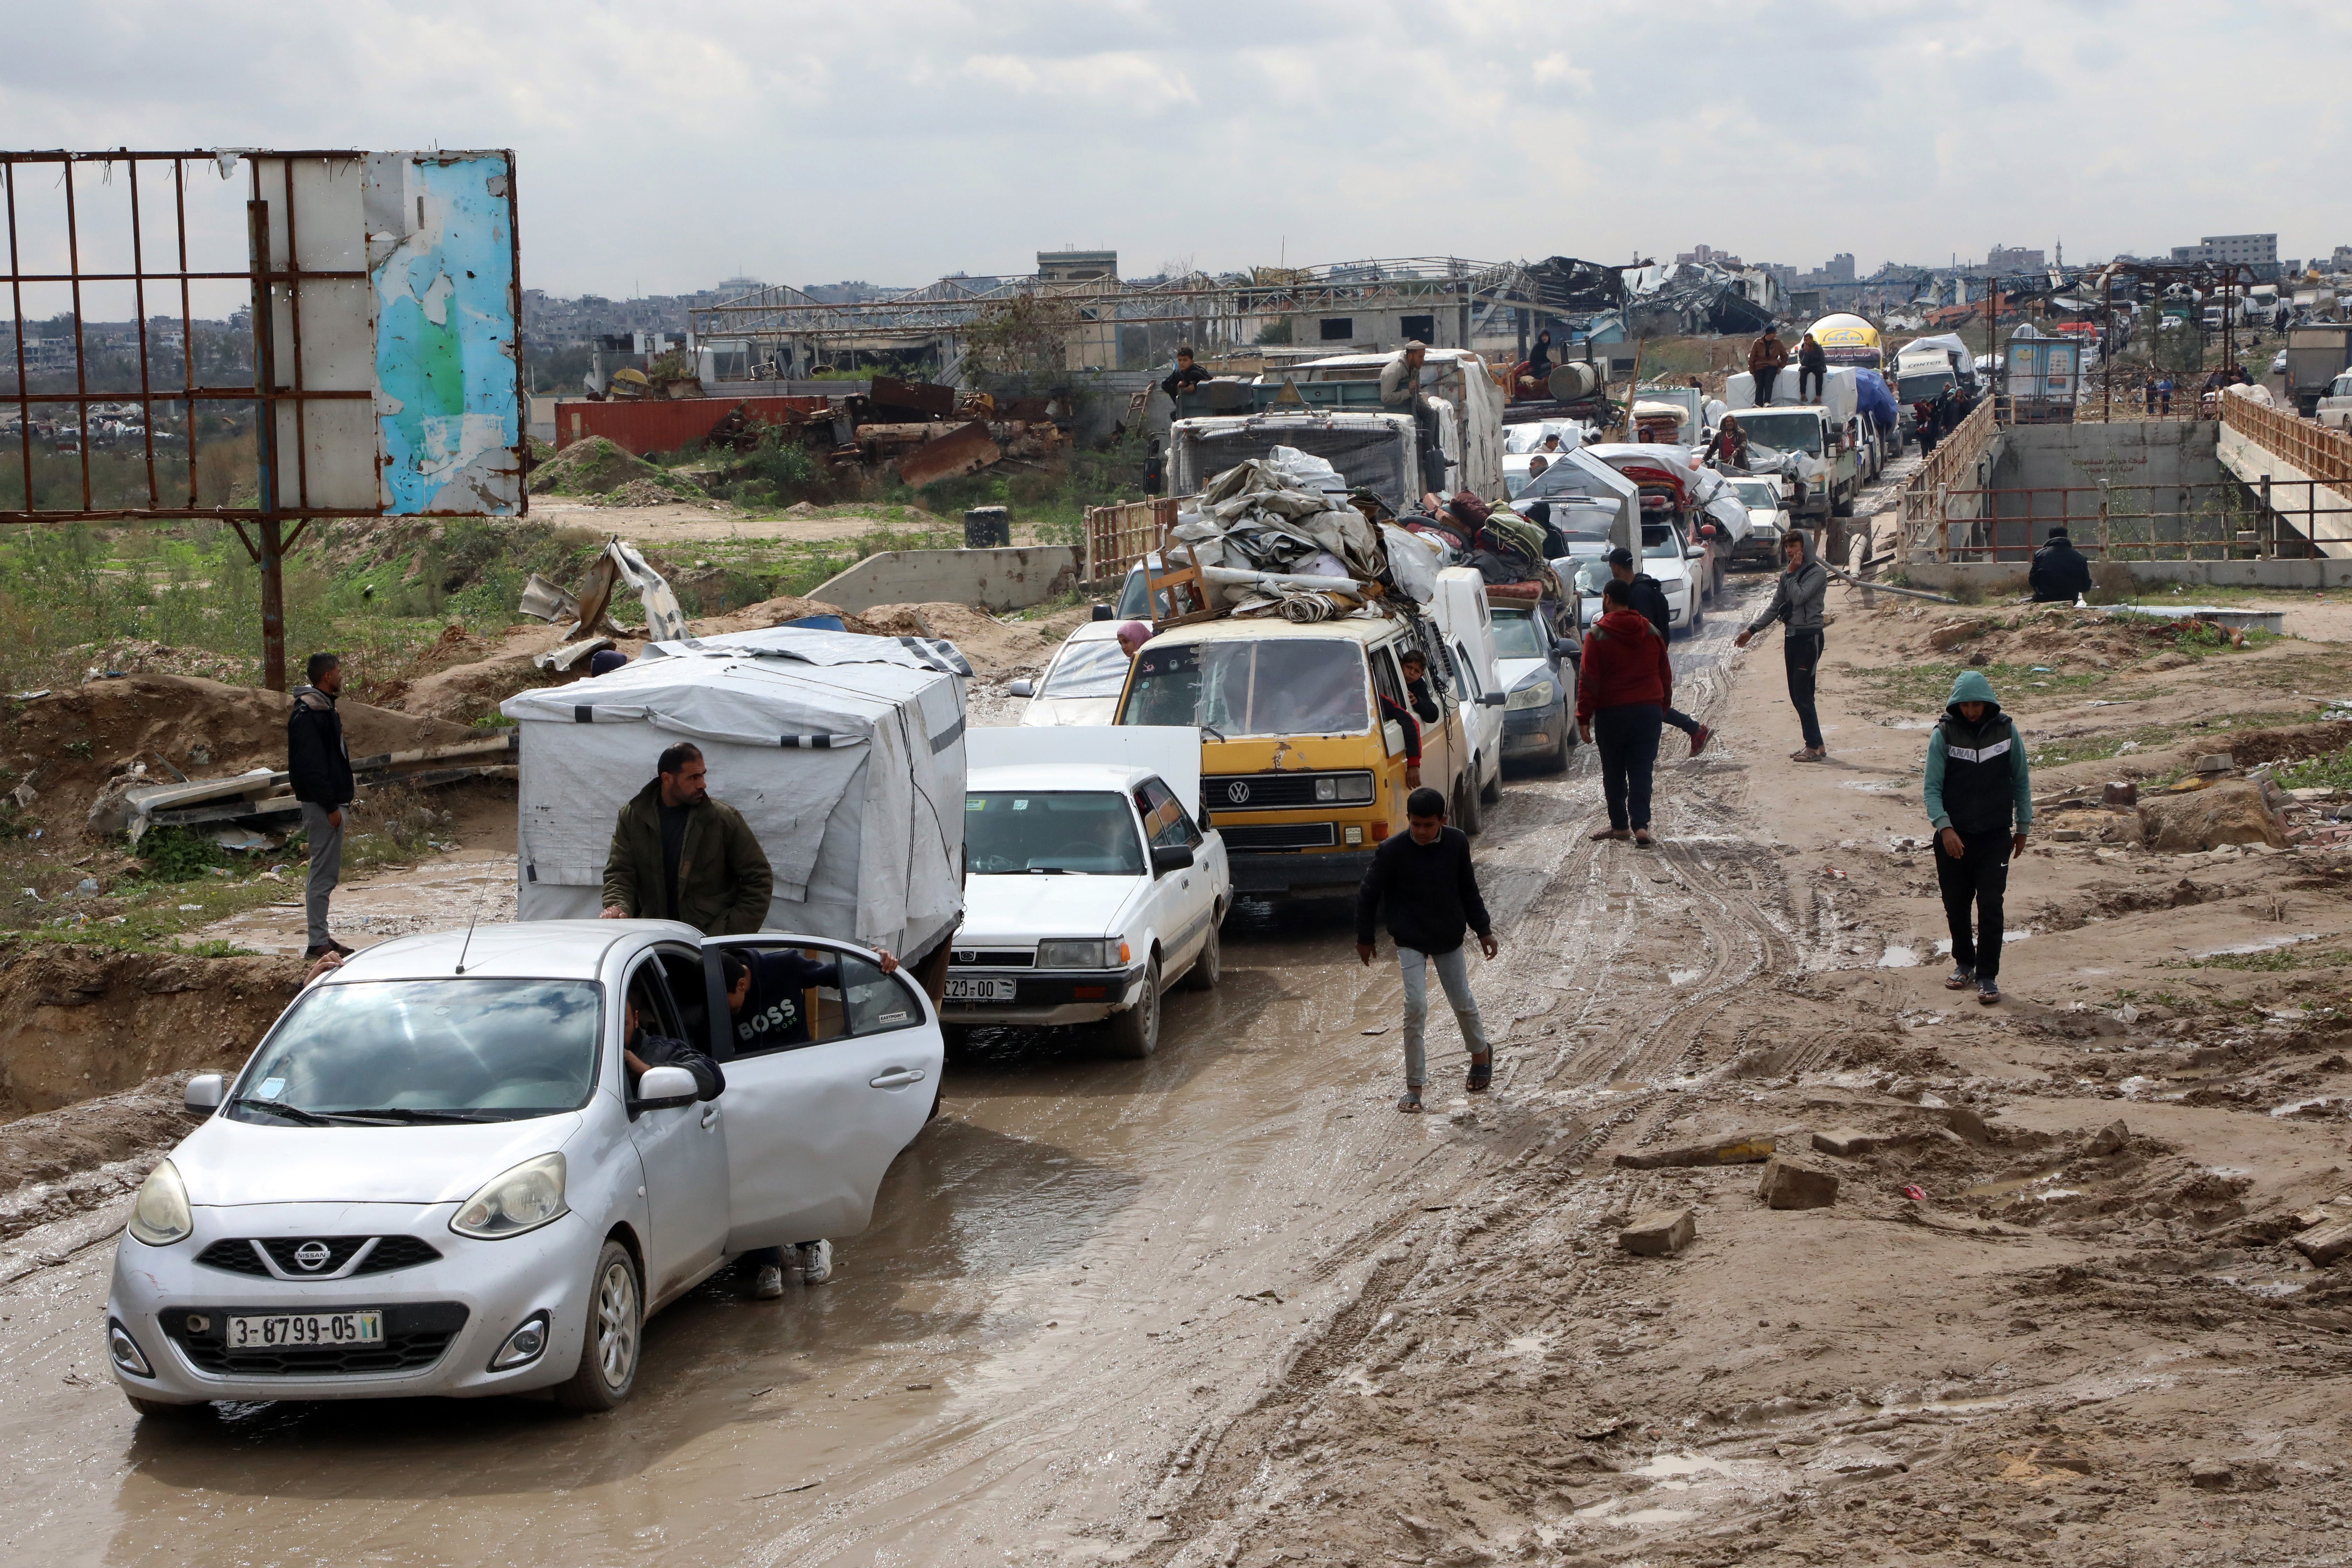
1082	832
1515	635
1755	492
437	1050
1087	670
1658	542
1783	432
1922	388
1274	686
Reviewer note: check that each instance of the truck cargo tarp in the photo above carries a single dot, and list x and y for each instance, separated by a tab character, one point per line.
850	774
1837	393
1580	473
1707	491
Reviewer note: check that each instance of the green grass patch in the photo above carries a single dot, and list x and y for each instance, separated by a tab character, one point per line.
1913	688
2269	961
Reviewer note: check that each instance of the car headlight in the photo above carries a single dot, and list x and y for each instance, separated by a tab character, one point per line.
1353	788
1534	694
1094	952
160	1215
522	1199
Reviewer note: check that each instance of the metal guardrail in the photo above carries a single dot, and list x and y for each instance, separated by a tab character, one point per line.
2229	520
1923	493
2324	454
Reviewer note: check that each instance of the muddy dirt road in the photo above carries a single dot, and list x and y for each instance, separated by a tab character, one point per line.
1078	1271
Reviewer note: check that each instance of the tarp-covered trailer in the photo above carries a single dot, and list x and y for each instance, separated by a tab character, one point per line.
844	753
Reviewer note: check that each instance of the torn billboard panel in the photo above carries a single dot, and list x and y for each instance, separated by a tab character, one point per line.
441	254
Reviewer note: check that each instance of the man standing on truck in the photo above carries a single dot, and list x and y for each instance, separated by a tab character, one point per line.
1797	600
1401	388
1423	882
1766	355
679	855
1186	376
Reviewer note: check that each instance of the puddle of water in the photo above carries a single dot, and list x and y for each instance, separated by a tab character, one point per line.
1664	1465
1658	1516
1683	976
2007	1185
2264	944
1899	958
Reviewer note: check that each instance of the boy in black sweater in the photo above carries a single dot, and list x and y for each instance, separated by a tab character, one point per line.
1422	880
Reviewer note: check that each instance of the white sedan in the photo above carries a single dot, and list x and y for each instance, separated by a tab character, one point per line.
1091	887
440	1175
1082	683
1665	557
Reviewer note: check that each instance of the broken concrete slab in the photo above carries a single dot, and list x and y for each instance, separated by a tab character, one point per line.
2325	1245
1846	1144
1661	1233
1739	1149
1794	1183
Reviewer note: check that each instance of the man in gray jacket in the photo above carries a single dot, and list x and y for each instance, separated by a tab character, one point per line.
1797	604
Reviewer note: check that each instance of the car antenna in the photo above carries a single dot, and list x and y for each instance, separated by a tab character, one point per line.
467	946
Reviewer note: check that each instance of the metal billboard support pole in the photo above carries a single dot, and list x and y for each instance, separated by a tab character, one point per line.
270	553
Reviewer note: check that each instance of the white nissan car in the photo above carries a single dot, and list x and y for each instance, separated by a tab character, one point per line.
1091	886
438	1175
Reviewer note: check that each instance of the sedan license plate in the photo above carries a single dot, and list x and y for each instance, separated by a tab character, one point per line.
965	989
301	1330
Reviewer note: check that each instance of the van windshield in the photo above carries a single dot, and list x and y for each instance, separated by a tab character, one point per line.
394	1051
1923	387
1279	686
1784	432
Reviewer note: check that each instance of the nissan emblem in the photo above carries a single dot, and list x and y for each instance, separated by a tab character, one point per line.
312	1256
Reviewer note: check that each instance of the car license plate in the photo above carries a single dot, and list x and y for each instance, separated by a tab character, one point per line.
303	1329
964	989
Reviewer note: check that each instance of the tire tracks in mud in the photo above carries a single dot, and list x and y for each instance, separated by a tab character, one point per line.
1619	1021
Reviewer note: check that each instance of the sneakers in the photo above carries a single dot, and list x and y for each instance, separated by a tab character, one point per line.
1700	737
770	1283
1988	989
817	1262
1960	978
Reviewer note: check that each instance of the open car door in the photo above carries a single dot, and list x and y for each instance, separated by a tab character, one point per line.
832	1069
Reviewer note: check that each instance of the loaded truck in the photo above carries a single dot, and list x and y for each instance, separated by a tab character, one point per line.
2315	356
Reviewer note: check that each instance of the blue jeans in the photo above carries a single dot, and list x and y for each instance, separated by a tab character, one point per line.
1454	973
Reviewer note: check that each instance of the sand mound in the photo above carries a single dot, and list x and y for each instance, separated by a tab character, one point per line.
70	743
464	692
992	646
595	466
775	613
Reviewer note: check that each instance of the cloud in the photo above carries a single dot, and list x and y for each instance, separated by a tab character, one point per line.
667	143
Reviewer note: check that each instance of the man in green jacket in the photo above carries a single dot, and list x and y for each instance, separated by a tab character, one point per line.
1980	802
679	855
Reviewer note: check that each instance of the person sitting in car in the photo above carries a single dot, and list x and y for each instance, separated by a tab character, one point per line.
644	1051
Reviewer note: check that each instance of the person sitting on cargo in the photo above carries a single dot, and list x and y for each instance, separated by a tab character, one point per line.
1766	355
679	855
2060	575
1550	442
1540	356
1186	376
1812	365
1401	388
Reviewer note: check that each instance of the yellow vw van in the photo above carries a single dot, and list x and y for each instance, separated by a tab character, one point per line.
1300	772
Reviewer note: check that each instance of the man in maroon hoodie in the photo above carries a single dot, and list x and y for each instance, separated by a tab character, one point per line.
1622	691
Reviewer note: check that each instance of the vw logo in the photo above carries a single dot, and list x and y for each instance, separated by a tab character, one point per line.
1237	792
312	1256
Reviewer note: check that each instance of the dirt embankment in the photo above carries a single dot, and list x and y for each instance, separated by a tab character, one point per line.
68	744
77	1023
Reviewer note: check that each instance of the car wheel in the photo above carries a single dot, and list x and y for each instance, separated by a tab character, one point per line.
1135	1033
1491	792
1468	815
1698	620
955	1040
616	1333
1557	762
1206	970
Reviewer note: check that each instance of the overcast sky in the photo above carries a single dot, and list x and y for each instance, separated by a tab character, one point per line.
662	144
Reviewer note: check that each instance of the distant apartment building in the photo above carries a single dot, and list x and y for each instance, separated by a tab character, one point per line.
1838	269
2231	250
1708	256
2014	258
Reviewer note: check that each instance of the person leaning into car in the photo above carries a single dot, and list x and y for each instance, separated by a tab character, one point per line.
679	855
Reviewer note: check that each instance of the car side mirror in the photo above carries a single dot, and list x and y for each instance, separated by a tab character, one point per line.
1493	699
1171	858
205	1092
1024	687
1694	553
1103	613
1565	648
662	1089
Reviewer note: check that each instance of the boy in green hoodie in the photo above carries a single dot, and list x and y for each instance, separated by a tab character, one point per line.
1980	802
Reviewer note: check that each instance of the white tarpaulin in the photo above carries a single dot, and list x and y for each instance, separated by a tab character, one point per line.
849	773
1837	393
